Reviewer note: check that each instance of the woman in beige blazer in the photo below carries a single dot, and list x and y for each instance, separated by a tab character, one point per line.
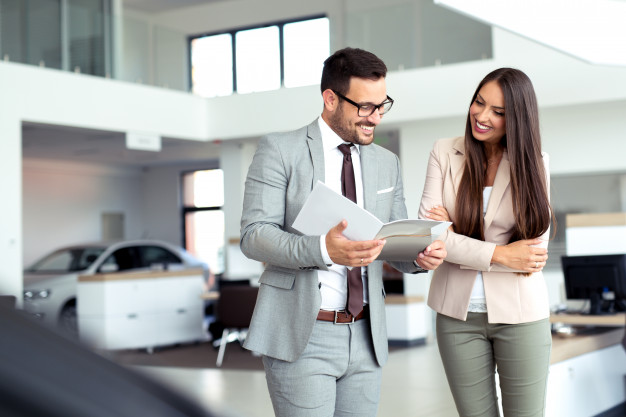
490	295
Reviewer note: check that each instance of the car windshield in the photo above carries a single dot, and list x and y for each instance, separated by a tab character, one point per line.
67	260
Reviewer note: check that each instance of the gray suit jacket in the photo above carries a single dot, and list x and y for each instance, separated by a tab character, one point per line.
281	176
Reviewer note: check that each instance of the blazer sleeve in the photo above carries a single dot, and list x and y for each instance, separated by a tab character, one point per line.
263	235
545	238
465	251
462	250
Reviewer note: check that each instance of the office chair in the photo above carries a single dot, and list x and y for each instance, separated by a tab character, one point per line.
234	311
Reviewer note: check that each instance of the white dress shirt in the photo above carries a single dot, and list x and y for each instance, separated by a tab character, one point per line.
478	301
334	287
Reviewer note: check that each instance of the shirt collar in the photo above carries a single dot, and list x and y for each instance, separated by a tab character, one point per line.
330	139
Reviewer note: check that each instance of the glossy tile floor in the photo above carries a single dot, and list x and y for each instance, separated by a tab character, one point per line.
413	384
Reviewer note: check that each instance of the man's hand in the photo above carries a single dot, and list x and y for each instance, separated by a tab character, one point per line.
343	251
432	256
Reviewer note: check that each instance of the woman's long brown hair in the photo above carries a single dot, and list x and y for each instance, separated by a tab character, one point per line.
531	205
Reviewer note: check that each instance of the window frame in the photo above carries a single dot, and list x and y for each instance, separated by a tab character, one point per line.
184	209
280	23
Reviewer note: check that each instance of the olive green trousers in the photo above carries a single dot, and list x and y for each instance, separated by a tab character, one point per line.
473	351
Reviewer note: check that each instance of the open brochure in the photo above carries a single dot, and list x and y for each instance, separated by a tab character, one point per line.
324	209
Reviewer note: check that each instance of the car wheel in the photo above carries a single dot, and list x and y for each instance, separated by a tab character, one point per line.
68	319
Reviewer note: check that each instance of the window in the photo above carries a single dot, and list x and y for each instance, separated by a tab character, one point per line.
203	217
306	47
124	259
212	77
261	58
66	260
151	255
258	60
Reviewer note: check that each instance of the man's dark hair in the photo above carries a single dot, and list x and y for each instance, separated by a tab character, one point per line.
347	63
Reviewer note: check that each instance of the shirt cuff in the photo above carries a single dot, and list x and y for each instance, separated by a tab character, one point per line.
419	268
324	251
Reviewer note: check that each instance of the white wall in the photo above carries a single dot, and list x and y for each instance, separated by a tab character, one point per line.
161	195
63	203
51	96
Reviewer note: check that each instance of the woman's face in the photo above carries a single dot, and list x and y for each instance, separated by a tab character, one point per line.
487	114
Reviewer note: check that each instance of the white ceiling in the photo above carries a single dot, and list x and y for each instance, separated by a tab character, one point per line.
157	6
106	147
590	30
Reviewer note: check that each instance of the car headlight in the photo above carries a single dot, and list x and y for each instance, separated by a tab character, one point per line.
36	294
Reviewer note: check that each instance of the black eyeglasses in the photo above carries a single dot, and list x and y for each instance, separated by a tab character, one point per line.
366	110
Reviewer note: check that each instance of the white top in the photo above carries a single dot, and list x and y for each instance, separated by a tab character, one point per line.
478	302
334	282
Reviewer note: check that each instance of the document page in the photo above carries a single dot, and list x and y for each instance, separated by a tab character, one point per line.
324	209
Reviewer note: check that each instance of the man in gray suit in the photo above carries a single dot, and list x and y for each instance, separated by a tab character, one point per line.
320	357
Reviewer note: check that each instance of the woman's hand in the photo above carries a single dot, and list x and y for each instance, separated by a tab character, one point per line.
522	255
440	214
433	256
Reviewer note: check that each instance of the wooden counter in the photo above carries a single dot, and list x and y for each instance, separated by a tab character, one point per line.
609	331
569	347
403	299
618	319
131	275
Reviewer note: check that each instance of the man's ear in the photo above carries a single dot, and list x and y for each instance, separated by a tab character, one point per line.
331	101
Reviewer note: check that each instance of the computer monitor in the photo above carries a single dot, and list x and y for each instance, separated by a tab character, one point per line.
601	279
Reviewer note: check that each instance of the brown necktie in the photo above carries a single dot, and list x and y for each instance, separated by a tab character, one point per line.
348	189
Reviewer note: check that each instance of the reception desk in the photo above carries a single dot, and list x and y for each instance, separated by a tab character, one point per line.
587	370
407	319
130	310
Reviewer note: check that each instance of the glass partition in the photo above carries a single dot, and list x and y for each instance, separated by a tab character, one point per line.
30	32
87	37
65	34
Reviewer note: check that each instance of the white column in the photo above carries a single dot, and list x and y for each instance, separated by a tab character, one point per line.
622	190
11	208
235	158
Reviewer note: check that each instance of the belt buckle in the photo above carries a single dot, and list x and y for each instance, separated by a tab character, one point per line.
336	322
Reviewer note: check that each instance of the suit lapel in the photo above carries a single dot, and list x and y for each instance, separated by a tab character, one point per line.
457	160
369	174
500	185
316	150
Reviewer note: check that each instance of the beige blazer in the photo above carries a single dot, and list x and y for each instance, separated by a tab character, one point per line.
511	298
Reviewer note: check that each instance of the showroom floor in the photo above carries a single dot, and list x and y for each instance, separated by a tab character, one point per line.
413	385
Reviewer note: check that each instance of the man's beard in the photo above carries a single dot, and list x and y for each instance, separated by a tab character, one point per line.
347	132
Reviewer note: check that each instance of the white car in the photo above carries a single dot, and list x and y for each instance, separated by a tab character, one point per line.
50	284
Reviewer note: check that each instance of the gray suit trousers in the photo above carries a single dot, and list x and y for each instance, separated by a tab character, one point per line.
337	375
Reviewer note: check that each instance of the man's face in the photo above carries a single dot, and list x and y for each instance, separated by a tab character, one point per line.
345	119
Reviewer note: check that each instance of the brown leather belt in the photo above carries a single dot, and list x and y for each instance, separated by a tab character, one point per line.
343	317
